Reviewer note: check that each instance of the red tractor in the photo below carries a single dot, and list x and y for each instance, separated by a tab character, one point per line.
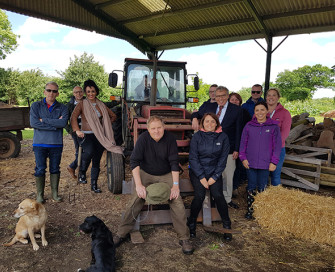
150	87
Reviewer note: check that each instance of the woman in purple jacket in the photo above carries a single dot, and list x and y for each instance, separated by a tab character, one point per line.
259	151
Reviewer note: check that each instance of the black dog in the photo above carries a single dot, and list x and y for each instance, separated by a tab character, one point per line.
103	250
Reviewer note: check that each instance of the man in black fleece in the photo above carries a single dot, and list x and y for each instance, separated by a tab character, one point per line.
153	160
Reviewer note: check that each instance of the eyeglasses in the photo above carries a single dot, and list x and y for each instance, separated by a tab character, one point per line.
49	90
221	96
255	92
211	91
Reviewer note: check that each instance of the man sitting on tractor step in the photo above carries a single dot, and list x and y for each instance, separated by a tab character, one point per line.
153	160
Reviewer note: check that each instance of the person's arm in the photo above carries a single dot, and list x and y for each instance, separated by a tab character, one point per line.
36	119
78	110
194	161
222	160
243	147
140	189
175	187
276	146
197	115
111	114
238	132
61	121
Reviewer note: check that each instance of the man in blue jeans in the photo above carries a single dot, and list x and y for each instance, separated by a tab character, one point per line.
48	118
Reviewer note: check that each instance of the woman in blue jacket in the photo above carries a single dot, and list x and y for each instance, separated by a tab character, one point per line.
259	151
208	157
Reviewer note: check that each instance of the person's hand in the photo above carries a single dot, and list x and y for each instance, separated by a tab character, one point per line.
61	117
174	192
245	164
195	124
41	120
204	183
141	192
235	155
80	134
272	167
211	181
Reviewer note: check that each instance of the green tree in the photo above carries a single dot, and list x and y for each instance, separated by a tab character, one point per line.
245	93
8	42
83	68
30	86
301	83
8	83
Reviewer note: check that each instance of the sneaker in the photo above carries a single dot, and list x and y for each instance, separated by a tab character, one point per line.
117	240
233	205
72	172
186	247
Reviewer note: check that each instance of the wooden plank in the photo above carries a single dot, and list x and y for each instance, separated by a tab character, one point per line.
302	138
302	180
306	160
206	210
307	148
303	172
136	237
296	184
312	154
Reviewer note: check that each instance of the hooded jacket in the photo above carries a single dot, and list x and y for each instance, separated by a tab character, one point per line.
208	153
260	143
283	117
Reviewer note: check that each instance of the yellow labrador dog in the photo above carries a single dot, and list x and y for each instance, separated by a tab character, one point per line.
33	217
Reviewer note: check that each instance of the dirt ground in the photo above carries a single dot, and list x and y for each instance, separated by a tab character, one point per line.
254	250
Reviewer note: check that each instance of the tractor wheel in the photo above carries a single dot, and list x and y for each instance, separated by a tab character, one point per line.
115	172
117	125
10	145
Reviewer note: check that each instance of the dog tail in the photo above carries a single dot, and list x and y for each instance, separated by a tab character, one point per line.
14	240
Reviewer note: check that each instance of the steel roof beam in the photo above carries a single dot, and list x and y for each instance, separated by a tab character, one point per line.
128	35
250	6
109	3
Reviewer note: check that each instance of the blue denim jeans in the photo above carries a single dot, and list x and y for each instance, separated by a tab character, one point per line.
257	178
74	164
41	154
275	175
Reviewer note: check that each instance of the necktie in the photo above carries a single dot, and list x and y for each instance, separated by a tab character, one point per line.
220	110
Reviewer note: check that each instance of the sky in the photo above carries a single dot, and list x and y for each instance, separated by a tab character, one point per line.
50	46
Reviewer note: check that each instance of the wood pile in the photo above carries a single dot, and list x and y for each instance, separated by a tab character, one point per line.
308	147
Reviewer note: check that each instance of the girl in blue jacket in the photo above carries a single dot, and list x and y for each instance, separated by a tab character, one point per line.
259	151
208	157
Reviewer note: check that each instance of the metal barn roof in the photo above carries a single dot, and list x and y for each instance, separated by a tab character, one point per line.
154	25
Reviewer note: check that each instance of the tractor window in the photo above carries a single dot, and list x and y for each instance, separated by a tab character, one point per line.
170	83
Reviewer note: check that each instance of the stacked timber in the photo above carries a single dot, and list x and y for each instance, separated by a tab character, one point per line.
310	152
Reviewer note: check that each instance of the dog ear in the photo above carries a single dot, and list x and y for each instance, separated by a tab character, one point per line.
35	206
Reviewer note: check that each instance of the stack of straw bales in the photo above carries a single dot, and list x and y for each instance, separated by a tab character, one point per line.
295	212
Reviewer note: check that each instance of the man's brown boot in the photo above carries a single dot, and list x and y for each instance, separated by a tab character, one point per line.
186	247
72	172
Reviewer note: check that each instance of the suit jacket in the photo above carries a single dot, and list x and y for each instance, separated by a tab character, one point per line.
231	123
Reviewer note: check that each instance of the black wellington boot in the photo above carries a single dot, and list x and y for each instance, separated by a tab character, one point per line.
227	236
82	177
250	200
192	225
94	186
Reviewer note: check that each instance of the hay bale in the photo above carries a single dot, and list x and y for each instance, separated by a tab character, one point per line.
294	212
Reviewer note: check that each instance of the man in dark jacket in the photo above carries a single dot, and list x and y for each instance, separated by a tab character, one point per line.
230	117
256	96
203	107
155	160
78	95
48	118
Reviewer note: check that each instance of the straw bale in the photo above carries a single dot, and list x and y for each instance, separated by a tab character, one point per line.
294	212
